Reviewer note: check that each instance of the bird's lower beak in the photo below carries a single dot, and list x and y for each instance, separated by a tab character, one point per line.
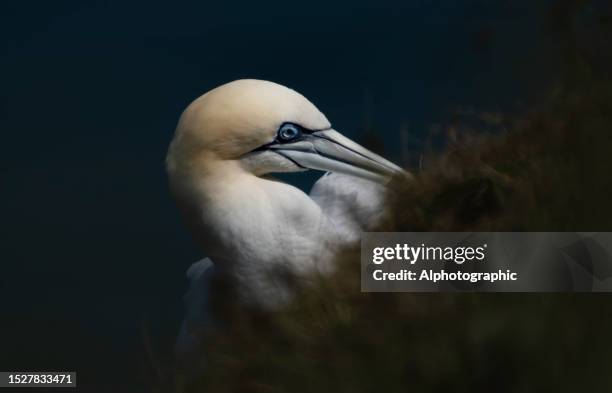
331	151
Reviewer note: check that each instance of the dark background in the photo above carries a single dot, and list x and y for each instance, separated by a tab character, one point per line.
93	253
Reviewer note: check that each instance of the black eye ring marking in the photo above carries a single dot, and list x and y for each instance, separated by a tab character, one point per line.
289	132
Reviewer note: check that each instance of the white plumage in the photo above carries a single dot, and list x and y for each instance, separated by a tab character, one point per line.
251	226
353	205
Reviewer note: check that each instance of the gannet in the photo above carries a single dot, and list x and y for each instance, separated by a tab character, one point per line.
250	225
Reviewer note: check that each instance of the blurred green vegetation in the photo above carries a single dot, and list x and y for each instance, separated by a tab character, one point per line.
546	169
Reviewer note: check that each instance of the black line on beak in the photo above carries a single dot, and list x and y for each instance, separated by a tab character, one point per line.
280	153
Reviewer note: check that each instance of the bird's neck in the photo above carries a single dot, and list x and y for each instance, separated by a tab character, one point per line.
249	224
223	200
201	190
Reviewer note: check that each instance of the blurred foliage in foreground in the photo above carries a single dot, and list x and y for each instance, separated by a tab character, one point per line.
548	169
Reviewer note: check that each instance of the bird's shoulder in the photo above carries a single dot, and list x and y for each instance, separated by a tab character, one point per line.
353	204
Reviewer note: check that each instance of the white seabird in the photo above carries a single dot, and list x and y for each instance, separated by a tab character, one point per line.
250	225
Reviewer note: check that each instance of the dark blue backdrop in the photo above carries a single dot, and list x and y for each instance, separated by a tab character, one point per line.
92	249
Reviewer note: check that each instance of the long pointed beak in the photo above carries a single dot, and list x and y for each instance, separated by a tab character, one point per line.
331	151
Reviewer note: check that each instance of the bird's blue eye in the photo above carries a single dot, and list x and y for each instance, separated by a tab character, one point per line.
289	132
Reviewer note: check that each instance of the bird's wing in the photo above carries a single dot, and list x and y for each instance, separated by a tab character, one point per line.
197	308
354	205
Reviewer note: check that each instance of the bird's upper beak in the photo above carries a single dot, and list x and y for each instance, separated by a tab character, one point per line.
328	150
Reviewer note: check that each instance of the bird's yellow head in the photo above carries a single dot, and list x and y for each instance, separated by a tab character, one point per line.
266	127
